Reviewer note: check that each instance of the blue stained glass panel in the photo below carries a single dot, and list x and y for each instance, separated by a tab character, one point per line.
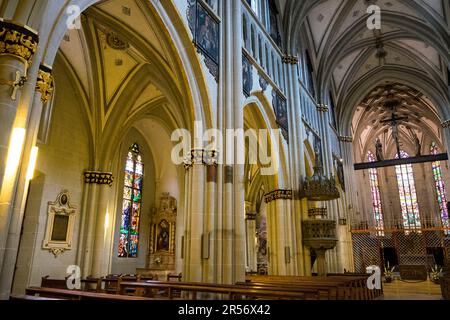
131	208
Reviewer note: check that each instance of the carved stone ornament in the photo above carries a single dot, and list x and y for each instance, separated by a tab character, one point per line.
98	177
290	59
346	139
60	224
115	42
44	83
201	156
446	124
322	108
278	194
319	187
19	41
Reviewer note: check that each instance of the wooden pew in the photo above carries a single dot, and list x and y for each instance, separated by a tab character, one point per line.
88	284
111	283
78	295
231	292
375	293
24	297
352	288
174	276
91	284
445	287
326	292
47	282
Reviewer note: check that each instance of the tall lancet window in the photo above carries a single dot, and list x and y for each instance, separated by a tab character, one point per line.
131	204
376	198
440	188
408	195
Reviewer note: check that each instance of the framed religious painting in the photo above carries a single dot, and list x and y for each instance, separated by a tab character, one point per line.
205	26
60	224
280	107
247	76
207	33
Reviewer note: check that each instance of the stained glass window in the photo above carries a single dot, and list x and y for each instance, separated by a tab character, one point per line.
408	195
440	188
131	204
376	198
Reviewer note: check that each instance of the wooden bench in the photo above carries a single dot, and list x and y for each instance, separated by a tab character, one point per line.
111	283
23	297
47	282
174	276
326	292
88	284
78	295
375	293
232	292
342	288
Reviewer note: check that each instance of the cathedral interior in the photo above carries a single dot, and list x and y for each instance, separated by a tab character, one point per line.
274	144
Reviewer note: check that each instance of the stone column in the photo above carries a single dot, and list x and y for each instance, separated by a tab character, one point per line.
238	211
280	239
351	198
209	233
194	224
18	45
231	223
297	167
44	90
250	224
100	220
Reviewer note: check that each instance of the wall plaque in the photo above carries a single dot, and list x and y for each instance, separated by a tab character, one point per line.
60	223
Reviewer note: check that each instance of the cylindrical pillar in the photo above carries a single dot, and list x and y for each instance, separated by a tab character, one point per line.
250	224
44	90
193	269
18	45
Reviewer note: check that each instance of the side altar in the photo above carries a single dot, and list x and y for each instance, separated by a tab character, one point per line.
161	254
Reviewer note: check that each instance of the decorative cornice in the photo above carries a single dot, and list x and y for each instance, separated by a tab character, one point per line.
290	59
19	41
44	83
97	177
278	194
446	123
346	139
322	107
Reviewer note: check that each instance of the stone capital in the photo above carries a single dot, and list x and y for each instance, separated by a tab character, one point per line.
44	83
290	59
346	139
201	157
250	216
18	41
278	194
322	107
98	177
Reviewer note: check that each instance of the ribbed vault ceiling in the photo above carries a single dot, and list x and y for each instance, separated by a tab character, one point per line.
414	40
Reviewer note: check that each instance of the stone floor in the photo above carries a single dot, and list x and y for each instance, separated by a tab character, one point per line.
400	290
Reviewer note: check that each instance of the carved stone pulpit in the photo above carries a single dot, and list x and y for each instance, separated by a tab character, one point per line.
320	235
162	235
